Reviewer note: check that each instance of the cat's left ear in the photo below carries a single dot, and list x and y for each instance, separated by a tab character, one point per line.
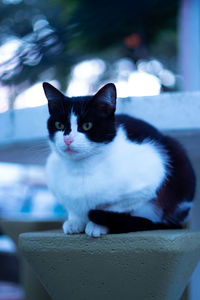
54	96
105	100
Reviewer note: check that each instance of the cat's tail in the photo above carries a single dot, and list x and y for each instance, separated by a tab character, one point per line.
124	222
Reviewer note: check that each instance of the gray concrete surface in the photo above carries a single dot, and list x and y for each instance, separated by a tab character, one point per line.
144	265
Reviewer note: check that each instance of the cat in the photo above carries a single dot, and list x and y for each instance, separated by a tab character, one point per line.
112	172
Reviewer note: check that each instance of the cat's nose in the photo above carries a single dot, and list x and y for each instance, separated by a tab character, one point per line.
68	140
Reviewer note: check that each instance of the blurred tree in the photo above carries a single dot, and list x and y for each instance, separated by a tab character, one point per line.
54	35
103	24
42	43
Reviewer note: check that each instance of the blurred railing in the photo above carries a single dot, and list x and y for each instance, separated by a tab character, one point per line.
23	134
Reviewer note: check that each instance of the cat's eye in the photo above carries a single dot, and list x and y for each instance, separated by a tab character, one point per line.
59	126
87	126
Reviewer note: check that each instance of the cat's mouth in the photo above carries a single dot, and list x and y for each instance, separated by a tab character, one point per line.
70	150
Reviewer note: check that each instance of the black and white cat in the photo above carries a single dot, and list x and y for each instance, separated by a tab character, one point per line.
114	173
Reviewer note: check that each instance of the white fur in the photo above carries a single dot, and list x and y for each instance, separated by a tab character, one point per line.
121	176
73	122
95	230
185	206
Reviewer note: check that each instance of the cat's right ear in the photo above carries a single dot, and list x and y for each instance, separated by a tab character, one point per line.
53	95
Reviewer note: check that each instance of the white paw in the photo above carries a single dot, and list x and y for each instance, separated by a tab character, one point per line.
95	230
73	226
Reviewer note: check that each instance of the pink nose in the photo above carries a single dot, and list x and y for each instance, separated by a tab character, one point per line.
68	140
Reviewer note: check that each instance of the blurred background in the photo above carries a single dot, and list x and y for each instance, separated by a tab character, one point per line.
80	45
146	48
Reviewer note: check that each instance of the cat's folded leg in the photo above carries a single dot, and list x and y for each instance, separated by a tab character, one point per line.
125	222
73	225
95	230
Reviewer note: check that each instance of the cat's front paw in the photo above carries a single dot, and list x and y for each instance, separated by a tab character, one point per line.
73	226
95	230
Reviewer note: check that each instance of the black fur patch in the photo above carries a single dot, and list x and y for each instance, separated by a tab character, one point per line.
124	222
180	184
138	130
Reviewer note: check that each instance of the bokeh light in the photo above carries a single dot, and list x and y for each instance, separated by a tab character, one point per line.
4	103
8	53
32	97
139	84
84	75
128	80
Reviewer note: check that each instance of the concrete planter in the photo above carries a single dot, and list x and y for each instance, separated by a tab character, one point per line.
144	265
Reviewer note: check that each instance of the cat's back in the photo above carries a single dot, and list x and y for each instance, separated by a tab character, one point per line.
138	130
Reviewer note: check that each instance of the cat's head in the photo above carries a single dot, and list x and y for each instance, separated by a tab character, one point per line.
79	126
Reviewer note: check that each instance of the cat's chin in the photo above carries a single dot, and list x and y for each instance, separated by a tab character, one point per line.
71	151
73	154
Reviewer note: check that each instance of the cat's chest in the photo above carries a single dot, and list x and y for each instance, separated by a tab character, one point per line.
125	168
84	181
